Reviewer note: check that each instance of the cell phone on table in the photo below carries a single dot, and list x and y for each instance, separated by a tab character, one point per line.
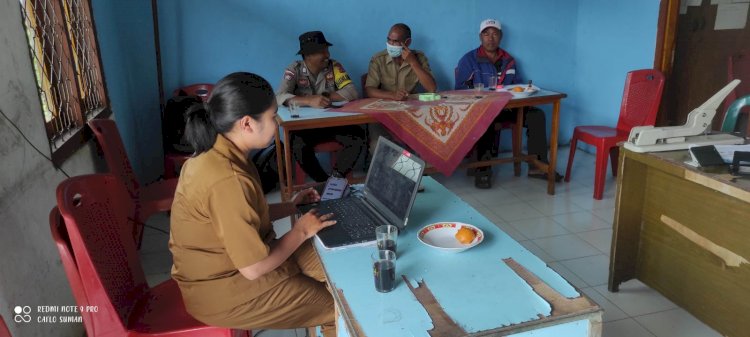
334	189
706	155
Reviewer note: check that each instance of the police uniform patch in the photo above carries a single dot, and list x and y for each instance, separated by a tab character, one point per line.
303	82
329	76
340	76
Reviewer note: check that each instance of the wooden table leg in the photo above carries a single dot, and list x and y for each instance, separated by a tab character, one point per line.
553	148
288	191
517	140
280	163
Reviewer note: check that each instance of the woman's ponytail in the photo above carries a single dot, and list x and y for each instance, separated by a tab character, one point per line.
199	129
234	96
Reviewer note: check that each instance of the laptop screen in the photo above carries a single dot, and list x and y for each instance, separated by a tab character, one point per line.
392	180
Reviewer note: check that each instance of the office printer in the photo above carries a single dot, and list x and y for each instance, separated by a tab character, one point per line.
671	138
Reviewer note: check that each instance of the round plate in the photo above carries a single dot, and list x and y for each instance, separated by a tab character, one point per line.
526	93
442	236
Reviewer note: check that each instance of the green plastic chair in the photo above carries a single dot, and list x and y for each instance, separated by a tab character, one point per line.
730	118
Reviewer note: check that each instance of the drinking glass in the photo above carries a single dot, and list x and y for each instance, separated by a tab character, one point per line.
386	237
384	270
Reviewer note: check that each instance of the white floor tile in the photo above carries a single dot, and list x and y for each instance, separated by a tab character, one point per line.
611	311
517	211
594	270
582	221
606	214
600	238
154	279
566	247
507	228
554	205
568	275
676	322
534	249
536	228
636	298
625	328
277	333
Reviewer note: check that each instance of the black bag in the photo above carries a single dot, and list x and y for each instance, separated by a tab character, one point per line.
265	162
173	123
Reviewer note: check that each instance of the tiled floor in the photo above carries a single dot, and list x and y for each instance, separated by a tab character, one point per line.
570	231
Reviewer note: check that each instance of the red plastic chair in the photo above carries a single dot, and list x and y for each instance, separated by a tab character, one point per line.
4	332
149	199
94	208
640	103
201	90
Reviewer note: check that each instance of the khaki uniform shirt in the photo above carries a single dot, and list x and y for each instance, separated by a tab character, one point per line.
220	223
298	81
386	75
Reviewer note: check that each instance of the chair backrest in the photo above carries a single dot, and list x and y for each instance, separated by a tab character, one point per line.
200	90
4	332
738	67
109	139
62	241
640	98
733	112
363	81
96	209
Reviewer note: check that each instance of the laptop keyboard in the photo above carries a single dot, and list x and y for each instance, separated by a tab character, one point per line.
358	225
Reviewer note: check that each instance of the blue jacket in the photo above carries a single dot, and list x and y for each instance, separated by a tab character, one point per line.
472	69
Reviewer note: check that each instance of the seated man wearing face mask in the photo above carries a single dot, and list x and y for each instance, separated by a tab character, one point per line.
395	72
316	81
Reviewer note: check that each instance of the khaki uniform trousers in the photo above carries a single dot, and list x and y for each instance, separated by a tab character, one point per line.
302	300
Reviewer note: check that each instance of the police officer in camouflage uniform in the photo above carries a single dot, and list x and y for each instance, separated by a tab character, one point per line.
316	81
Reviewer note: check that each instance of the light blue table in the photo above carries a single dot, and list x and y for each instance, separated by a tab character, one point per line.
497	288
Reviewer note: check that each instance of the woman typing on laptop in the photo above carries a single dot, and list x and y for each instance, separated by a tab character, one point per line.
231	270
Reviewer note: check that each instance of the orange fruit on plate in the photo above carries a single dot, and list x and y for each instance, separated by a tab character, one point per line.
465	235
517	89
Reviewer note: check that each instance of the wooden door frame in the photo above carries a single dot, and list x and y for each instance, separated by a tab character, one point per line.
665	36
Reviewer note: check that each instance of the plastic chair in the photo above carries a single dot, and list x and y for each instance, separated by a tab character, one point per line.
201	90
149	199
94	209
4	332
733	112
640	103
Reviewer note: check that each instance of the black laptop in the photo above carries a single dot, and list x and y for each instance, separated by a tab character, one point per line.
387	197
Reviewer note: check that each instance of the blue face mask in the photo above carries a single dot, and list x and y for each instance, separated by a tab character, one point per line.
393	51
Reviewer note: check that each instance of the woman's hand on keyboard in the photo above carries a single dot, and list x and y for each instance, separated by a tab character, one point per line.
306	196
311	223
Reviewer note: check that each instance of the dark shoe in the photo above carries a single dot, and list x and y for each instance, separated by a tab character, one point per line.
483	178
543	175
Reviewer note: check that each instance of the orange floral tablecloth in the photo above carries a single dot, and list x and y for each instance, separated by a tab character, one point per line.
441	132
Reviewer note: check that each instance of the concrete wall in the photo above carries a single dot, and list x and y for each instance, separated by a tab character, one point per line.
126	42
561	45
30	269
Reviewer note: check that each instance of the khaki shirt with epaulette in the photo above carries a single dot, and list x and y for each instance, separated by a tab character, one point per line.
383	73
299	81
219	224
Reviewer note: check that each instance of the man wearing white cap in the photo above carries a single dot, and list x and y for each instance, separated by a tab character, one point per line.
477	66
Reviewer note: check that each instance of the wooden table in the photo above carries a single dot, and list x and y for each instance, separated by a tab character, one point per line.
311	118
685	232
497	288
